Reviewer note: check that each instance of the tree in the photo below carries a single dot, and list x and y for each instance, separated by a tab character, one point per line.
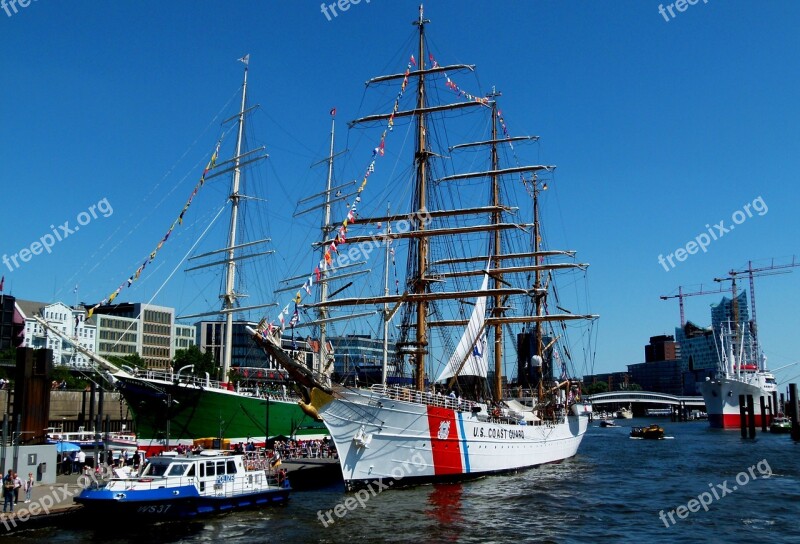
203	362
634	387
133	360
9	354
597	387
63	374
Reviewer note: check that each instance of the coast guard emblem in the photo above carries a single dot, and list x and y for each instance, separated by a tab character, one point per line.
444	430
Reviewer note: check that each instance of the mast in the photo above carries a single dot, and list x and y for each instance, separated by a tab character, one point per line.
497	250
421	285
385	366
537	287
326	230
229	298
754	328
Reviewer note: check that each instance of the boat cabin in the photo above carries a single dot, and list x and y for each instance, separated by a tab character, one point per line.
210	472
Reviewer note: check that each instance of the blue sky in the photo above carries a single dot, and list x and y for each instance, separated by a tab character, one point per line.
658	128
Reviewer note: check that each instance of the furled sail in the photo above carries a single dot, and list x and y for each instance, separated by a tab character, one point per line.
470	353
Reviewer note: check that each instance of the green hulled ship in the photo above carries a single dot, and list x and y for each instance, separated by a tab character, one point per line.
168	411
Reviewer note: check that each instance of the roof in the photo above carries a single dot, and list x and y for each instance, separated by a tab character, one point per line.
29	308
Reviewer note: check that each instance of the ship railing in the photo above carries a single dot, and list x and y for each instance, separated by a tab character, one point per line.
429	398
258	460
210	384
239	486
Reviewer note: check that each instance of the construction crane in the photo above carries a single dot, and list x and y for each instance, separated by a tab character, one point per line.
771	270
681	295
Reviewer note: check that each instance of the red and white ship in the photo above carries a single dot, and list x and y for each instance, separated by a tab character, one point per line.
735	377
425	433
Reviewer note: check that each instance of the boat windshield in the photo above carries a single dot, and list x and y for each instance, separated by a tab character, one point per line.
178	469
155	469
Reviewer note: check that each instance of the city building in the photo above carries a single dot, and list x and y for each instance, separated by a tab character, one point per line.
699	352
155	327
674	365
71	322
12	325
662	348
116	336
358	358
247	359
244	353
184	337
658	376
617	381
662	371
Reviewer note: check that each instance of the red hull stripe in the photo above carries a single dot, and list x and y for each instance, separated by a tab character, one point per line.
729	421
446	450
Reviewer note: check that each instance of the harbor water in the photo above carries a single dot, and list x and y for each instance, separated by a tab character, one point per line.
698	484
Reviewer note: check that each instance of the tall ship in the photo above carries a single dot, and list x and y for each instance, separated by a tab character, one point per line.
477	278
179	406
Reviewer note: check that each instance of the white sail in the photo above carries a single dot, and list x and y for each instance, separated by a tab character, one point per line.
472	345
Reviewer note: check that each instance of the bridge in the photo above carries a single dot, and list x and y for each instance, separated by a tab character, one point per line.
632	397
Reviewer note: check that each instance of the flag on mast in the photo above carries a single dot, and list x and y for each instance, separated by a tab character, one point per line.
245	59
2	281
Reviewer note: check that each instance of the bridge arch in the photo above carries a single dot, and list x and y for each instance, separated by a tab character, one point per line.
648	397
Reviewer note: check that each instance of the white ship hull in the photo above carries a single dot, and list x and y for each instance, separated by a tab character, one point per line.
405	442
721	396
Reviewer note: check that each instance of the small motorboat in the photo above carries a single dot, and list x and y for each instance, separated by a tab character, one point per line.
625	413
607	423
653	432
187	486
781	424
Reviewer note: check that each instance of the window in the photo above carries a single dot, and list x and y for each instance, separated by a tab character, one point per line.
177	469
153	469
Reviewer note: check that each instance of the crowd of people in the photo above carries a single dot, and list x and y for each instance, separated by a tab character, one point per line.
299	449
75	462
12	484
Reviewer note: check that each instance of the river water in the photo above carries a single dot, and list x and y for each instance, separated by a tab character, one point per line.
612	491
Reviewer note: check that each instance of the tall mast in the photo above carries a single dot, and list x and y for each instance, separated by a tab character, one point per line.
498	280
326	230
229	298
421	285
537	286
385	366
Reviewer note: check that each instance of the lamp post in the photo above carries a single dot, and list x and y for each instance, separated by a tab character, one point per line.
266	420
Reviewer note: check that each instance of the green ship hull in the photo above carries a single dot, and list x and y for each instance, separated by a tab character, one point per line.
178	413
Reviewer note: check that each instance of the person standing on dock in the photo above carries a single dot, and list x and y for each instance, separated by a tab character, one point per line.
80	459
8	490
29	487
17	487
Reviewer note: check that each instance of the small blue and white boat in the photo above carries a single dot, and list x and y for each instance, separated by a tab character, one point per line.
187	486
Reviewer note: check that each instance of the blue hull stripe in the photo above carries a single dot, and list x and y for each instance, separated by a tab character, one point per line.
464	443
